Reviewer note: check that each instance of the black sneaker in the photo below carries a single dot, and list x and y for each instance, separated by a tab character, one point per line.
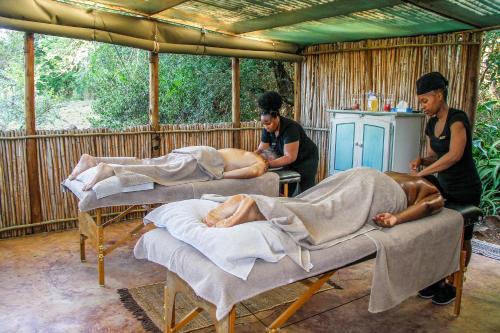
430	291
445	295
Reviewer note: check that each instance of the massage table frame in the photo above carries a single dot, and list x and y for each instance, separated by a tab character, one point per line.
175	285
93	230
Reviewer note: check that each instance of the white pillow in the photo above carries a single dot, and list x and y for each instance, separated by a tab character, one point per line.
233	249
111	185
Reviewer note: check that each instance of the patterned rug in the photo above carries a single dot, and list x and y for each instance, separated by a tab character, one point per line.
146	304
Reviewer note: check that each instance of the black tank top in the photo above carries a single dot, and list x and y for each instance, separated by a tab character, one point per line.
461	181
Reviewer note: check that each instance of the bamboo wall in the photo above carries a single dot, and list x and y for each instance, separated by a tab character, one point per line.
59	151
332	73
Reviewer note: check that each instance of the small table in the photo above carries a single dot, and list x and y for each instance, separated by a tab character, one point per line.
286	177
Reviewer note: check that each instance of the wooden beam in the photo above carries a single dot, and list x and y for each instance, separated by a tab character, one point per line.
236	112
31	144
472	81
167	5
154	110
327	10
297	91
450	11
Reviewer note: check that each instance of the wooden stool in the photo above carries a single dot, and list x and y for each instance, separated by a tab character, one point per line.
286	177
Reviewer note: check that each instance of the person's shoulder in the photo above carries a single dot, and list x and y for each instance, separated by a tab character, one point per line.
458	115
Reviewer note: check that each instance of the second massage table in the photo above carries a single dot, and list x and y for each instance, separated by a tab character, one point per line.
216	291
92	227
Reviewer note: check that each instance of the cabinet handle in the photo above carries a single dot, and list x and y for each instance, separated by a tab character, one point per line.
359	144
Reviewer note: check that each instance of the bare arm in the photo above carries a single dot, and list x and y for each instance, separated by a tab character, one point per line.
457	146
426	160
255	170
429	205
262	146
291	150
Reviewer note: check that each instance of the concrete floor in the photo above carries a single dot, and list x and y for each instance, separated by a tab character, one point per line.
45	288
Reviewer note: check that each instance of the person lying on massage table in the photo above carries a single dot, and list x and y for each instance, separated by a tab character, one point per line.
238	164
423	199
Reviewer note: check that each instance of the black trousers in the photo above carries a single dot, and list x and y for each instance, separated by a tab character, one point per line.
307	171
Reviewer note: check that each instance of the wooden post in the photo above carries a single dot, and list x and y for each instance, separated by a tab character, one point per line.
31	145
472	81
236	102
296	91
154	111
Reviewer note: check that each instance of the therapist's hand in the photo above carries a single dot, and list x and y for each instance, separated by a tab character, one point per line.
415	164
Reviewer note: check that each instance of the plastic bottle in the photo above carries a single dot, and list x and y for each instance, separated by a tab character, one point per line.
372	102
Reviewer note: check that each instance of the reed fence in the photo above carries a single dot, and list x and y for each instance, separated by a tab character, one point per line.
330	76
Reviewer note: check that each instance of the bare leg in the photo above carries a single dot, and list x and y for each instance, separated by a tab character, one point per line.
86	162
103	171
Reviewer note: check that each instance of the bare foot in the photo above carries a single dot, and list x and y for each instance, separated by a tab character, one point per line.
223	210
86	162
103	171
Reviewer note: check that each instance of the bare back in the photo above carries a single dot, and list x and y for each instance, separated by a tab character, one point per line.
416	188
239	163
423	197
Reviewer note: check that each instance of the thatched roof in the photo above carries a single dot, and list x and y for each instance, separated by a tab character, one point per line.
244	28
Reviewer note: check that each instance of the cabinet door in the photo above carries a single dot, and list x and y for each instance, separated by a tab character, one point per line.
343	133
374	144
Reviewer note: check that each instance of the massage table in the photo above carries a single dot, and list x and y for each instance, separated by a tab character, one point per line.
92	227
188	269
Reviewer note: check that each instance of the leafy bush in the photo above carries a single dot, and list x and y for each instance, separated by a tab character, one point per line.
486	150
486	144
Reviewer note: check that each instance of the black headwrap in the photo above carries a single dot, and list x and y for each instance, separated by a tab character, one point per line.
431	81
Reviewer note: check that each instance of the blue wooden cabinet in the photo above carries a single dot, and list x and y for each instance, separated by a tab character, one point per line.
383	141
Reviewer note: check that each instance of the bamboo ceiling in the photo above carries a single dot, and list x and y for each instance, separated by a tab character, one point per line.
244	28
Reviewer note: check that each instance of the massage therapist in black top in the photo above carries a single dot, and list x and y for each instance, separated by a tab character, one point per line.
288	140
449	154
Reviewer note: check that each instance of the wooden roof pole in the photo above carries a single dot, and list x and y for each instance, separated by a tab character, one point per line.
154	110
236	112
31	144
296	91
472	80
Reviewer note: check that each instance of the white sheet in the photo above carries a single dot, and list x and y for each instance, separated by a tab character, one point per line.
233	249
111	185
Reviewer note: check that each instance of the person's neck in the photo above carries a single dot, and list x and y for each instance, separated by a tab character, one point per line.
277	132
443	112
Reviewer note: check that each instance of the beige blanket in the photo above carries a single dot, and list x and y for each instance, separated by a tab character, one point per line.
337	209
414	255
181	166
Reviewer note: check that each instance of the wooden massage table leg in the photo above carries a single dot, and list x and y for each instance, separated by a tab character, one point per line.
82	247
100	247
290	311
458	279
175	285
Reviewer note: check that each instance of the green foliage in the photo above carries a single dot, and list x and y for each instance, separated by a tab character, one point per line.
193	89
58	71
11	79
486	144
197	89
117	82
486	150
